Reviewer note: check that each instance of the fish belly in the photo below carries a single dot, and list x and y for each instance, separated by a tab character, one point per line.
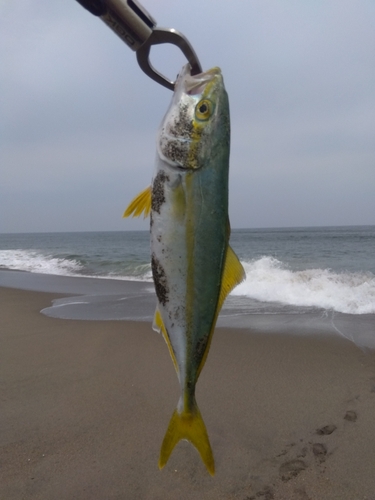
188	245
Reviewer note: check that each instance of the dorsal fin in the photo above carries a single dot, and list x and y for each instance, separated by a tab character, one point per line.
141	203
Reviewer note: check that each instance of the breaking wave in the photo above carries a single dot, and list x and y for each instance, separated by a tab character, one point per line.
269	280
34	262
38	262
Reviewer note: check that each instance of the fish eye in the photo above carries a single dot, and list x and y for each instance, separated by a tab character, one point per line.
203	110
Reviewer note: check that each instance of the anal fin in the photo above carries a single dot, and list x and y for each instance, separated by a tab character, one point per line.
233	275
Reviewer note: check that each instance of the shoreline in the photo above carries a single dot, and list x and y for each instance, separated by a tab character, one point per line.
85	405
106	299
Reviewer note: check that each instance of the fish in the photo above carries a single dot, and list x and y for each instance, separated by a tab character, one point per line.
193	266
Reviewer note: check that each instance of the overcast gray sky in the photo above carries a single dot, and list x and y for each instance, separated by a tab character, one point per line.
78	118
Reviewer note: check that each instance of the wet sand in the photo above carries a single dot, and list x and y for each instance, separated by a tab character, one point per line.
84	406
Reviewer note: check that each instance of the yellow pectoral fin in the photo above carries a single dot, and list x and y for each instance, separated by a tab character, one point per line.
158	326
188	426
141	203
233	274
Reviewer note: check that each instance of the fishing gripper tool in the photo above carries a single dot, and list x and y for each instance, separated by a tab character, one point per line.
137	28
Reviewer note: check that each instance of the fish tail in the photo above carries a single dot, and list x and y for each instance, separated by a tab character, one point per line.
189	426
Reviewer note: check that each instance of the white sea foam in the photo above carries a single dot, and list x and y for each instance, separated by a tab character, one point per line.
33	261
38	262
268	280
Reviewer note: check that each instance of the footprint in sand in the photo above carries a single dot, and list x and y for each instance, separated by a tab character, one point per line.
326	430
350	416
265	494
291	469
320	451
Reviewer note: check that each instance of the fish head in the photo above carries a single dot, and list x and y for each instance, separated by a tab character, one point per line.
197	120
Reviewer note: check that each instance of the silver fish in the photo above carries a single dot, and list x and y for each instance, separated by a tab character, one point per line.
193	266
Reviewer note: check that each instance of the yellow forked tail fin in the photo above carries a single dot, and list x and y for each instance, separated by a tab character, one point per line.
188	426
141	203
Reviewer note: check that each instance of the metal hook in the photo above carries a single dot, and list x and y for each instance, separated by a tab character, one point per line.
135	26
164	35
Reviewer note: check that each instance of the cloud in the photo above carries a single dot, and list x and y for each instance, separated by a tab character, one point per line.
78	118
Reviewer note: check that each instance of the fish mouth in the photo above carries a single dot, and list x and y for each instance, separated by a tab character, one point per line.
195	84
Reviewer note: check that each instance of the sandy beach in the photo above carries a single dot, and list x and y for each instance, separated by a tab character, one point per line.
85	405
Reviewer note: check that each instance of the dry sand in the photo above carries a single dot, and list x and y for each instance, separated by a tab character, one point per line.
85	405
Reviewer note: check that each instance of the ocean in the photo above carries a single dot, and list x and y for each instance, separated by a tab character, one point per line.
297	279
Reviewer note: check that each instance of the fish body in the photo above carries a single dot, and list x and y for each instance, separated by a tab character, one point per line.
192	264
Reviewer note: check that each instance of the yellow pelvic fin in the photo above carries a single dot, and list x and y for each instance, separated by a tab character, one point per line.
141	203
188	426
158	326
233	274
